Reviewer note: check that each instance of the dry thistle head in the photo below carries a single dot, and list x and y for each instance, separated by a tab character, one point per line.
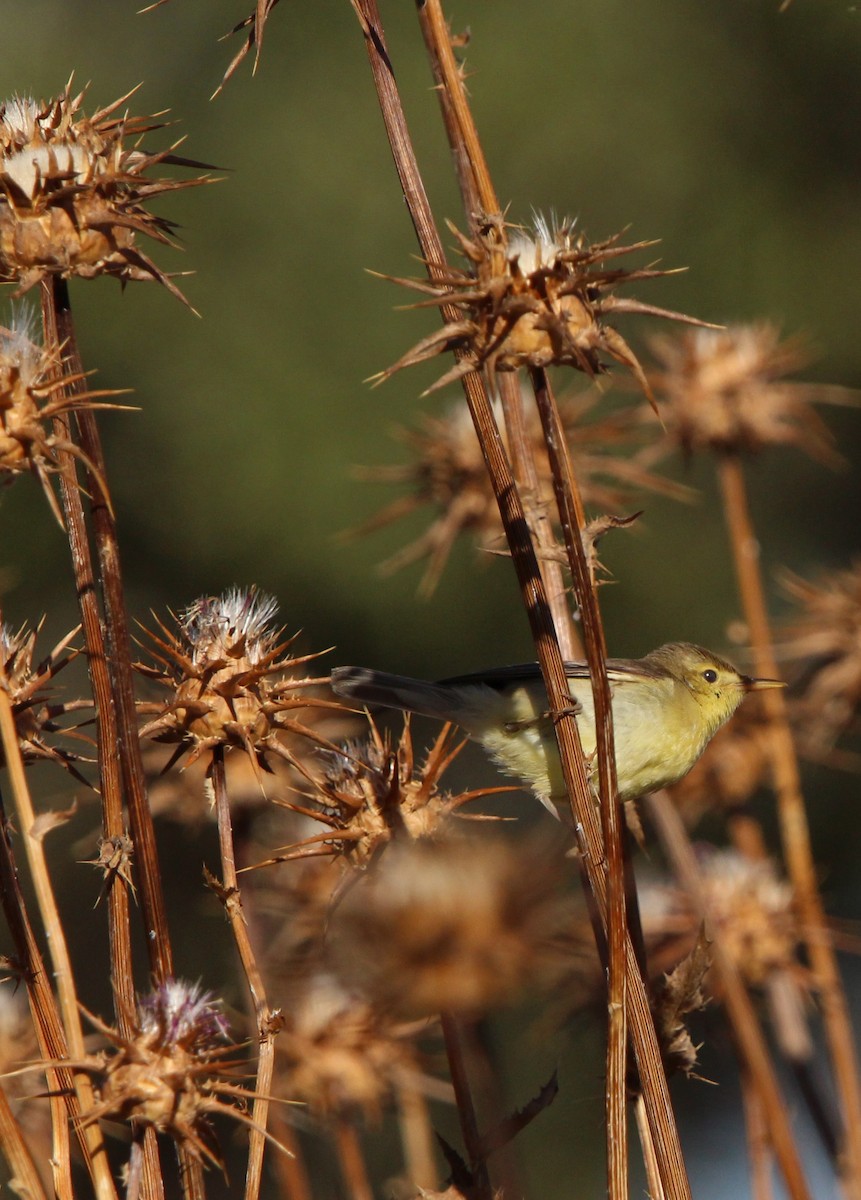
461	924
31	396
172	1073
369	793
542	299
750	907
73	191
229	684
338	1055
36	716
823	642
736	763
448	474
725	390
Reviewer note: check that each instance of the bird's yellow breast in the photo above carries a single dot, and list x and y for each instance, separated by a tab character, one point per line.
659	731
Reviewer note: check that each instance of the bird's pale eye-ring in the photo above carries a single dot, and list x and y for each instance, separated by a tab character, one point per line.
710	676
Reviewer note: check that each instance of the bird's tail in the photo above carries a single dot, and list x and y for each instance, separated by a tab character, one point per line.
395	691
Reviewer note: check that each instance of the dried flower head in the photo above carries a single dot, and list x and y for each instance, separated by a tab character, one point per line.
73	191
33	392
726	390
369	793
338	1055
448	474
750	908
736	763
229	684
823	645
541	299
679	993
173	1072
36	715
457	925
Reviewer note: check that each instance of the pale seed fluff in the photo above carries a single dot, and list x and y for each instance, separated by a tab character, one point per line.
238	621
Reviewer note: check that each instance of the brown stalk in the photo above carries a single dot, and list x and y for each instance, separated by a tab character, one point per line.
469	1130
750	1042
463	133
417	1137
758	1145
795	833
352	1161
24	1179
572	518
664	1131
55	301
266	1019
61	963
46	1020
479	196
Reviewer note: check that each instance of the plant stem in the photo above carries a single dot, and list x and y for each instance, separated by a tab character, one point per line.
465	1107
747	1032
266	1020
654	1081
794	828
58	948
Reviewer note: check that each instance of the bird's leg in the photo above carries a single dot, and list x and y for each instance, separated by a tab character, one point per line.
570	710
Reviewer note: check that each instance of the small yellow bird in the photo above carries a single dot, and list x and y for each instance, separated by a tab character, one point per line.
666	708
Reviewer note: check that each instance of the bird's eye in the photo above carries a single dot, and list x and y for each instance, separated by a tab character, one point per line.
710	676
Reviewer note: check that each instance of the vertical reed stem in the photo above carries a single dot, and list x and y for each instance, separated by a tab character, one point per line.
792	815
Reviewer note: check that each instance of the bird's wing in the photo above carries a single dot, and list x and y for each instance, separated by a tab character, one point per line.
619	670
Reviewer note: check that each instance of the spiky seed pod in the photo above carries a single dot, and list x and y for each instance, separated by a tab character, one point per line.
823	643
542	298
174	1071
338	1055
735	765
726	390
448	474
30	398
74	190
229	684
458	925
369	793
36	716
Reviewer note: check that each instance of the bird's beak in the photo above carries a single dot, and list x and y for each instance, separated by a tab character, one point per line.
759	685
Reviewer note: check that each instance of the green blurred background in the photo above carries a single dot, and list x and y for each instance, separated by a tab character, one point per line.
729	131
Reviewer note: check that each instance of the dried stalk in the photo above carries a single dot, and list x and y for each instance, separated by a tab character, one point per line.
60	341
55	934
352	1162
664	1130
466	1107
417	1137
46	1020
795	832
749	1039
266	1019
24	1180
758	1146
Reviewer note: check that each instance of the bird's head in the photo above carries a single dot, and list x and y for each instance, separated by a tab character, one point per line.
716	685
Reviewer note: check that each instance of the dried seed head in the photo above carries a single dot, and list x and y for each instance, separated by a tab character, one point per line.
679	993
228	683
458	925
338	1055
73	192
171	1074
750	908
725	390
823	642
735	765
448	474
36	714
31	396
368	793
542	300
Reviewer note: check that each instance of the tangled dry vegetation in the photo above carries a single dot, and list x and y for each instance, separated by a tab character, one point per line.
379	912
